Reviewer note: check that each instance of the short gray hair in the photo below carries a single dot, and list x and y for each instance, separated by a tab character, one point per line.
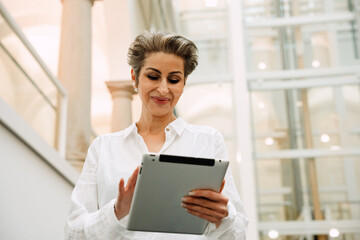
152	42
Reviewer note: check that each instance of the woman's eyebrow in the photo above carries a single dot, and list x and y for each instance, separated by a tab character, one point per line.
154	69
175	72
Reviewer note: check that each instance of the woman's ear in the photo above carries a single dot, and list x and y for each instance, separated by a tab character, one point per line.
133	74
133	77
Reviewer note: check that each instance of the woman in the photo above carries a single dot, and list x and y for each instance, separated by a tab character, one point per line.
161	63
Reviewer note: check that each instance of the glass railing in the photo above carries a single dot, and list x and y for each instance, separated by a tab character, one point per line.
301	118
28	86
304	82
207	26
328	98
299	45
285	191
263	10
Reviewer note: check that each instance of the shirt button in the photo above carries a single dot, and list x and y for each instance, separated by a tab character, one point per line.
167	129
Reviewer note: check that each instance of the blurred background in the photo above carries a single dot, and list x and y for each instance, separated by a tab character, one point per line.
279	78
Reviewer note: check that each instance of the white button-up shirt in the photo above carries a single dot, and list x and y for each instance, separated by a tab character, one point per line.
115	156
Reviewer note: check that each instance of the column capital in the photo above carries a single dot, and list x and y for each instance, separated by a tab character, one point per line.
119	88
122	93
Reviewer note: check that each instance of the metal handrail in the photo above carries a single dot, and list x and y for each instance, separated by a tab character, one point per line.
17	30
61	110
27	76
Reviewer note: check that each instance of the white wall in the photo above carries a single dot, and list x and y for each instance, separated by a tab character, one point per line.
34	198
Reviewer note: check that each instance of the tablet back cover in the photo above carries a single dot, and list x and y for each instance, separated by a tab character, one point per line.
163	180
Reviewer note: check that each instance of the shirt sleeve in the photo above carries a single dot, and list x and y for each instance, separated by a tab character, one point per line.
235	224
85	219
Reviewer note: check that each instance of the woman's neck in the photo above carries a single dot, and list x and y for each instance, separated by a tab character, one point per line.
149	124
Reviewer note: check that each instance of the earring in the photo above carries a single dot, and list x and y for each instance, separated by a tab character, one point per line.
135	88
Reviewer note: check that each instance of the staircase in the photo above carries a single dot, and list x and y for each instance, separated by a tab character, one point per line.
35	180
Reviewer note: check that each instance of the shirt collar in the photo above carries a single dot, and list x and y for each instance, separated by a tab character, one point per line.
178	125
131	129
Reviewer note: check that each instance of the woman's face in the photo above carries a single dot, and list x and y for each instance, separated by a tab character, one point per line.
161	83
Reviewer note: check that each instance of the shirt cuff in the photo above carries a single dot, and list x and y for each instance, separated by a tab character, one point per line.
112	219
227	223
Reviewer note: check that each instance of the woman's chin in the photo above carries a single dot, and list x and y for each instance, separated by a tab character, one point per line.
158	113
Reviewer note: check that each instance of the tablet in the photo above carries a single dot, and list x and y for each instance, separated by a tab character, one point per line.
162	181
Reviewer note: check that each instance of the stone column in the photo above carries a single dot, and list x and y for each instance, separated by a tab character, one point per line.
75	74
122	93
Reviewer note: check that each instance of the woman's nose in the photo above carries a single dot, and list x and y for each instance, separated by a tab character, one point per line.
163	87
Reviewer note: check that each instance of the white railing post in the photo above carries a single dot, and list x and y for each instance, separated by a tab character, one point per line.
241	97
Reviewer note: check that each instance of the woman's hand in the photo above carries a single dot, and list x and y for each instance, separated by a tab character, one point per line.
124	198
207	204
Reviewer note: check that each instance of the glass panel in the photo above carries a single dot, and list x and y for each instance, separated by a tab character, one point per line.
352	122
260	10
305	46
191	5
25	85
213	107
205	23
285	189
213	58
279	118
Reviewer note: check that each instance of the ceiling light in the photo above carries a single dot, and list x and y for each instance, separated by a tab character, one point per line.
324	138
315	63
269	141
333	232
262	66
261	105
273	234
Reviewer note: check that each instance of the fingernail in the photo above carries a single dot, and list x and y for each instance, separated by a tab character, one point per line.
183	199
183	205
191	193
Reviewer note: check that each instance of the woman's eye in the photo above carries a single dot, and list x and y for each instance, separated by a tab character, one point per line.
173	80
153	77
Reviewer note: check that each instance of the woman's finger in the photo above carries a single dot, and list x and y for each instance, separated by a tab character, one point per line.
209	194
206	211
133	178
123	201
202	203
121	186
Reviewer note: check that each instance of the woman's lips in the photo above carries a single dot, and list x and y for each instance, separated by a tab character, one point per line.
160	100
